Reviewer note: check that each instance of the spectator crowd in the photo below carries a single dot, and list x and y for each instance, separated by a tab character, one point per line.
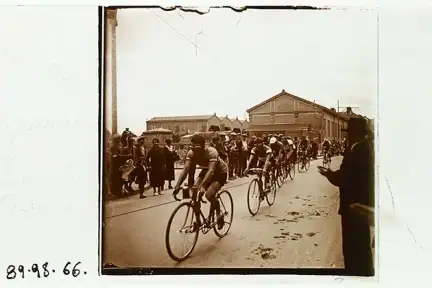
129	162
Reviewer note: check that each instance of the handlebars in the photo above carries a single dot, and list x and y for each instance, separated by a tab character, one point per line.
255	171
186	194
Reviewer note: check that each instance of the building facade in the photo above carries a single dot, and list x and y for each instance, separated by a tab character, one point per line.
294	116
245	125
184	124
236	124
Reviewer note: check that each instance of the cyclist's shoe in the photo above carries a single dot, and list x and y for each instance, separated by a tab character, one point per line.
220	221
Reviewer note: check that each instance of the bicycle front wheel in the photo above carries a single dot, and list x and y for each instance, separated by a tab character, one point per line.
271	195
307	165
253	197
227	209
300	165
291	171
182	226
279	177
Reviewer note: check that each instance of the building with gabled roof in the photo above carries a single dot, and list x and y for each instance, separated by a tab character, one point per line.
291	115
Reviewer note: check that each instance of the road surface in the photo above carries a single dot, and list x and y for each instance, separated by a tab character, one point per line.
301	230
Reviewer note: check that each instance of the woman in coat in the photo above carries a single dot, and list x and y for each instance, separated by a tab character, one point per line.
140	172
156	158
170	158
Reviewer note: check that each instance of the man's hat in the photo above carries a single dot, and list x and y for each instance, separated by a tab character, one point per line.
140	138
357	126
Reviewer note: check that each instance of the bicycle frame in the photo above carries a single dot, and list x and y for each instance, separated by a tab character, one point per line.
203	221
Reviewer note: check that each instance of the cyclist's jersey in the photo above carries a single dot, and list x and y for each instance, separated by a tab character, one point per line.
286	148
303	145
210	155
276	148
326	145
261	152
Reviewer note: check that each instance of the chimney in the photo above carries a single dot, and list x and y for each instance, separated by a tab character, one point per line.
349	110
214	114
333	109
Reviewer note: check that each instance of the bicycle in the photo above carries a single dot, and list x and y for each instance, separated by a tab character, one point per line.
261	194
198	220
326	160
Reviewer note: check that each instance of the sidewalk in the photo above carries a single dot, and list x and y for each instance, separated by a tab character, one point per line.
133	203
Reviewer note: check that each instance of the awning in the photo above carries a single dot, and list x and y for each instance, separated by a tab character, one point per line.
157	131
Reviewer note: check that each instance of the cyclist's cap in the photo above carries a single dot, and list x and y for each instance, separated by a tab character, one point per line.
273	140
198	139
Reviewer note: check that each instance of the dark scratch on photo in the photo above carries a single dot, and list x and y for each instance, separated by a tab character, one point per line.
413	237
238	22
235	9
391	193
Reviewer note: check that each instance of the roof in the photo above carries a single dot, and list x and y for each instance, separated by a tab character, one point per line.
284	93
244	121
181	118
350	115
234	119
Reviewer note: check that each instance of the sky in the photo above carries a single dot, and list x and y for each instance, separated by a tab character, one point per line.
242	59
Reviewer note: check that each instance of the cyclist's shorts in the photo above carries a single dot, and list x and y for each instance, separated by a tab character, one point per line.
217	177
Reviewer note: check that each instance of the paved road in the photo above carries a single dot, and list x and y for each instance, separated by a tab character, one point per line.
301	230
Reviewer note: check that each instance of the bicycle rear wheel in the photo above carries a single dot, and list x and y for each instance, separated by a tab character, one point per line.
189	227
279	177
253	196
307	165
227	209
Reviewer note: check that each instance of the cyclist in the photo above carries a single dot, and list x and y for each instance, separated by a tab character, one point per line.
326	147
277	151
212	177
261	154
303	144
291	150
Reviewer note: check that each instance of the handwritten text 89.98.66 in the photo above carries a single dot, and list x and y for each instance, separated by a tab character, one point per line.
43	271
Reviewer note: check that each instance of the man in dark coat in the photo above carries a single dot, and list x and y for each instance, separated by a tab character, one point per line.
355	180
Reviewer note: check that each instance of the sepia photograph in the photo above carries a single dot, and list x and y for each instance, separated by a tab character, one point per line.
239	140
